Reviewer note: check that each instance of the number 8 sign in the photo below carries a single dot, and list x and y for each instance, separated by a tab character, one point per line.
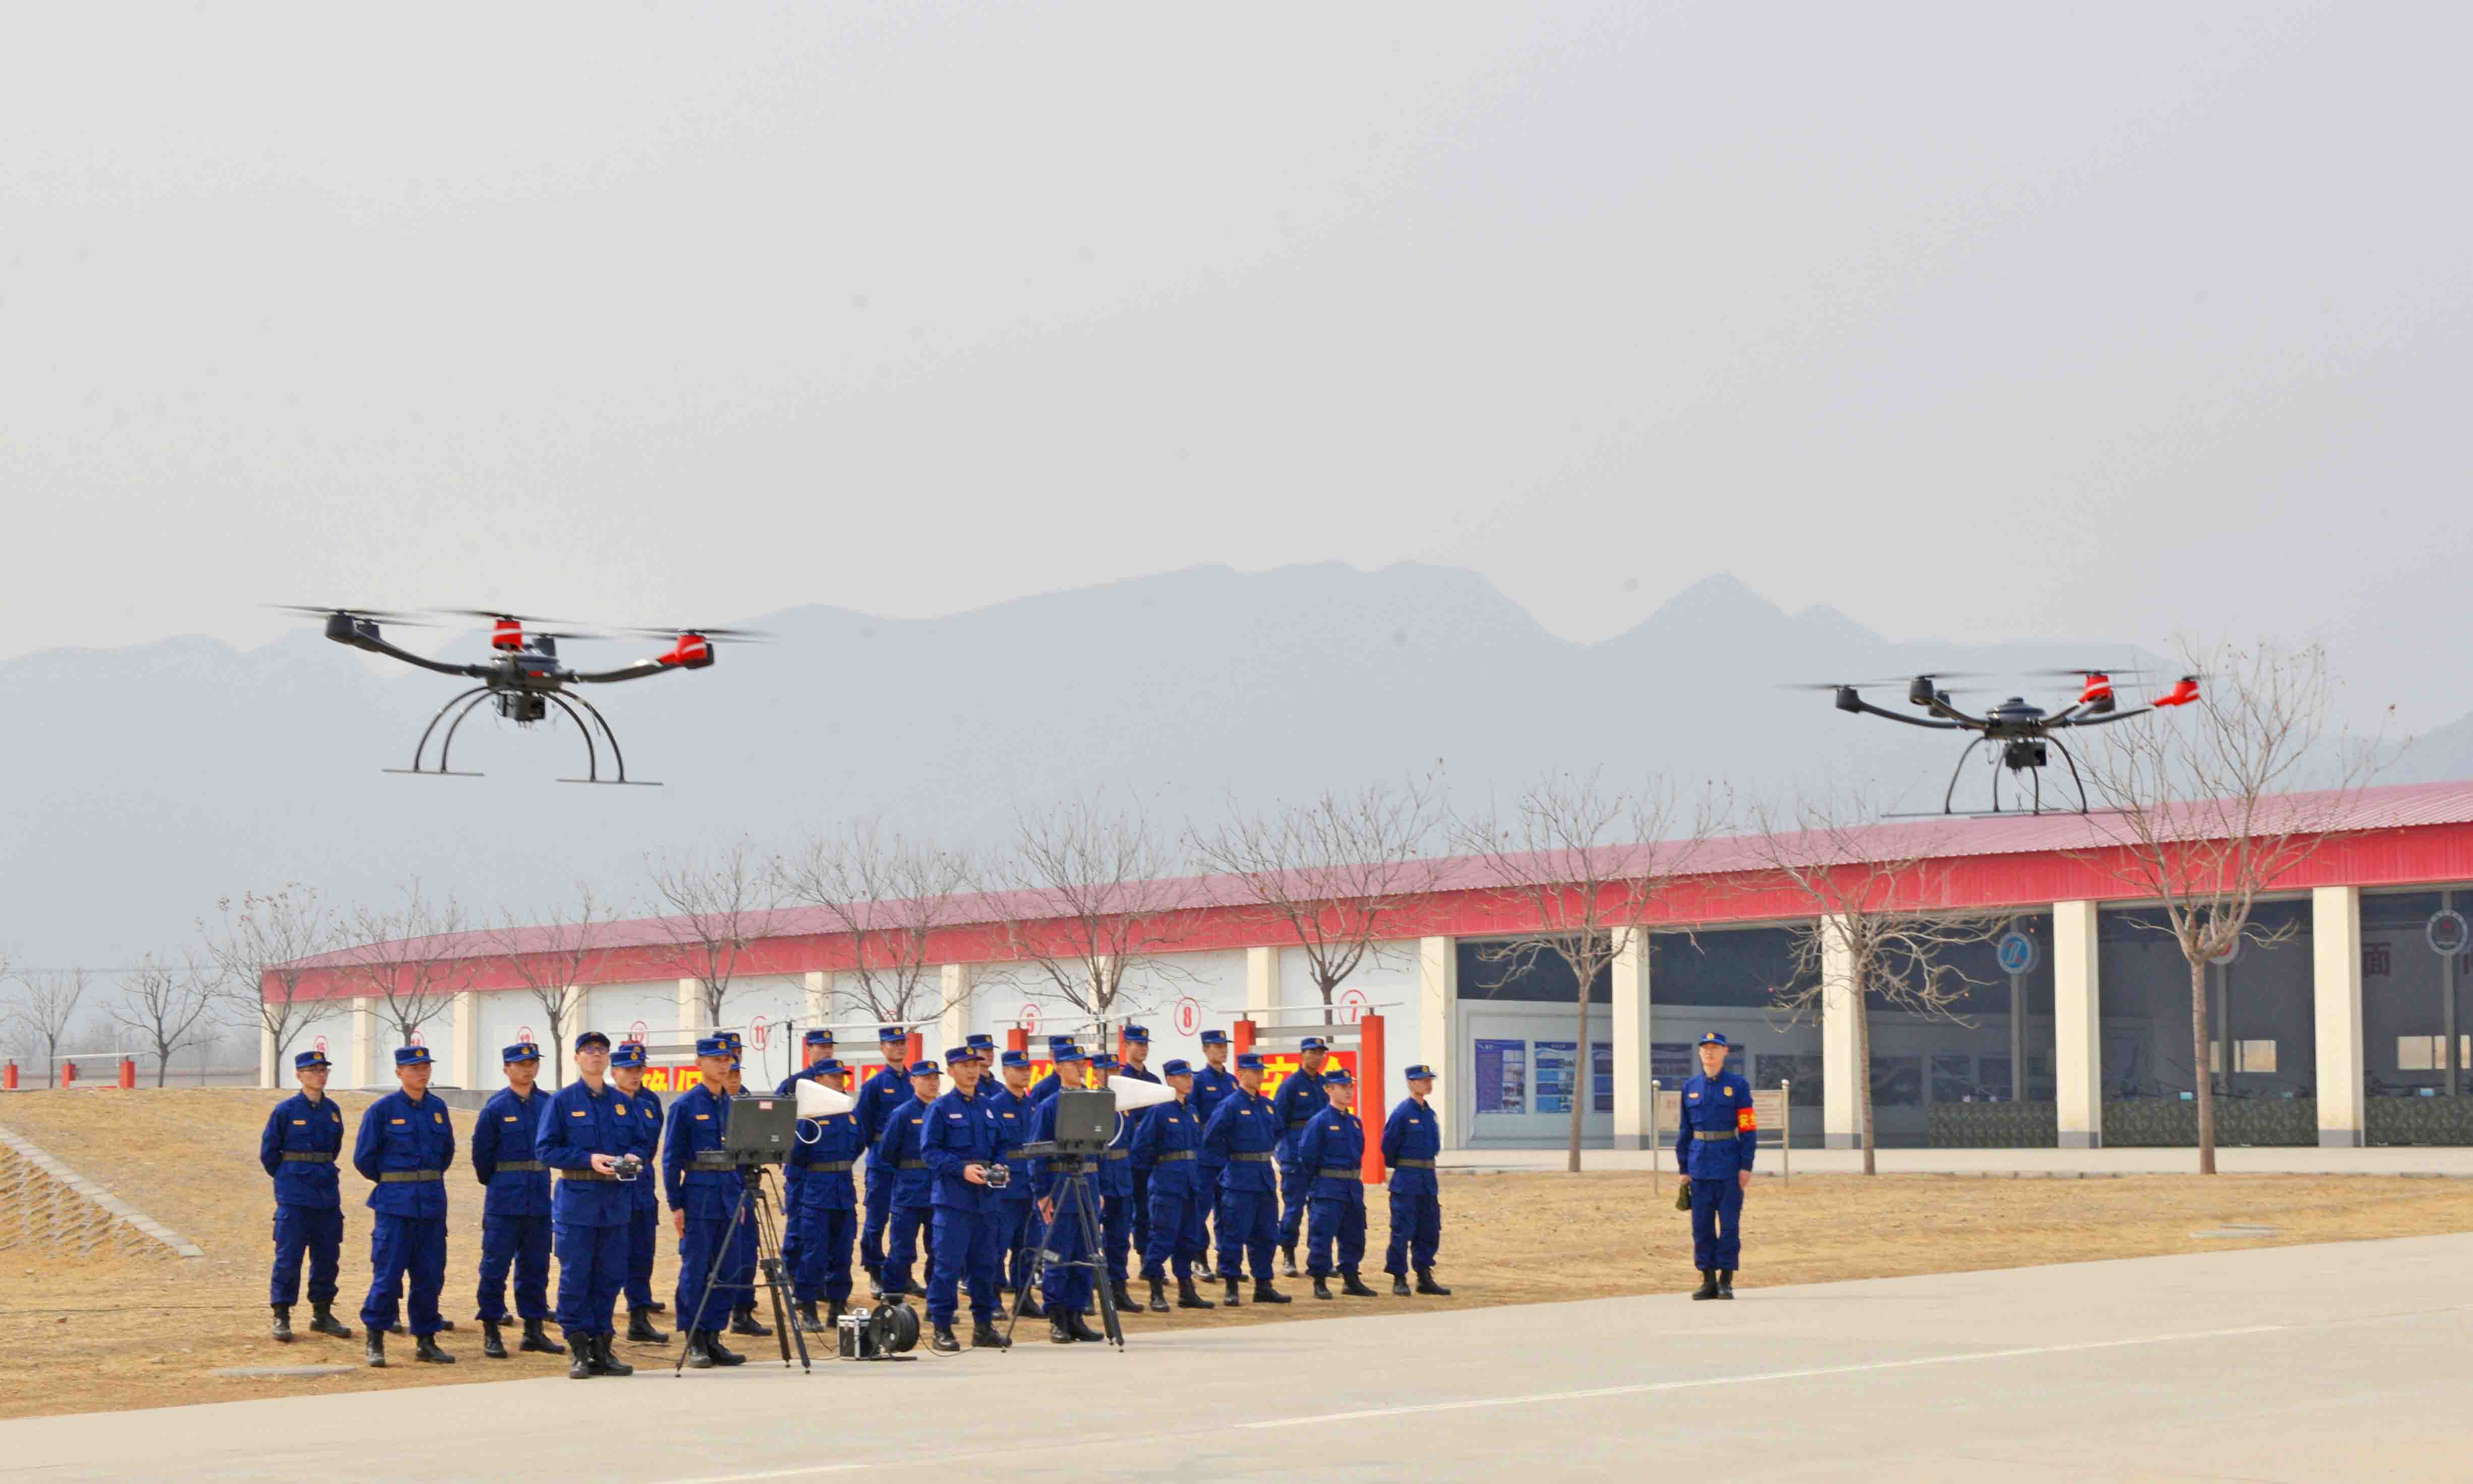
1189	1017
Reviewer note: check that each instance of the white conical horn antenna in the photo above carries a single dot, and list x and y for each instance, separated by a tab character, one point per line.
818	1101
1133	1093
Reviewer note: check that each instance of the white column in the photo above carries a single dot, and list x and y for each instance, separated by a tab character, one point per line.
954	989
2077	1028
2336	948
465	1055
266	1056
1632	1090
1261	981
362	1067
1841	1087
819	999
1438	1014
690	1005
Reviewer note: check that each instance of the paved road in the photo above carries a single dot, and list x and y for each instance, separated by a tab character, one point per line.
2336	1362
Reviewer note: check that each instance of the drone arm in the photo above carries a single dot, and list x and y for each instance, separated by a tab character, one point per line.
2066	720
375	645
634	672
1868	707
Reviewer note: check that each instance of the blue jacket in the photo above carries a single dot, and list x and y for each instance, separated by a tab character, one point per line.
401	1137
961	1131
1334	1140
707	1189
645	1192
1109	1177
788	1083
576	1126
299	1126
1016	1117
1171	1129
817	1186
1412	1133
1300	1097
1715	1105
503	1135
877	1097
897	1149
1115	1168
1044	1088
1212	1086
1242	1125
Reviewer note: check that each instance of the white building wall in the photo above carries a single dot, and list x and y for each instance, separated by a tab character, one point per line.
625	1012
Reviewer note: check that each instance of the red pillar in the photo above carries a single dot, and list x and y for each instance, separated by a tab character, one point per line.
1240	1038
914	1050
1017	1040
68	1074
9	1077
127	1073
1369	1110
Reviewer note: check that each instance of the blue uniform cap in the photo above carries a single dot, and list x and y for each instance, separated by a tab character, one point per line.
1177	1067
521	1051
829	1067
1249	1060
818	1039
1106	1063
923	1067
583	1041
309	1060
1068	1052
1214	1037
1714	1038
1420	1072
1059	1042
1337	1077
1138	1035
887	1033
712	1045
954	1054
1314	1044
628	1054
1016	1058
981	1041
736	1039
411	1056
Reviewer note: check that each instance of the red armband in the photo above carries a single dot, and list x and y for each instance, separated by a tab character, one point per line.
1745	1121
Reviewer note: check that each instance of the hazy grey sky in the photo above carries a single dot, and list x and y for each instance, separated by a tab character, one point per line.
1983	321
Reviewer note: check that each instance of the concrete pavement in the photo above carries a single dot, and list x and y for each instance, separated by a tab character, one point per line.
2347	1361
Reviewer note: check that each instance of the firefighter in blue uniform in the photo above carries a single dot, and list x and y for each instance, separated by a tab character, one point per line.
1045	1087
644	1193
404	1149
514	1206
1115	1188
1713	1143
961	1139
741	1273
586	1129
1243	1135
911	1188
1331	1152
1212	1082
1066	1281
1014	1201
814	1046
701	1184
827	1150
303	1137
1411	1140
983	1050
1299	1098
1135	1053
1168	1139
881	1094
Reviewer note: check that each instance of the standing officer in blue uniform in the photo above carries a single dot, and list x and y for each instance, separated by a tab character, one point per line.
909	1186
881	1094
1299	1098
703	1185
814	1046
983	1050
1411	1140
739	1273
514	1206
1045	1087
1331	1152
1242	1134
1212	1082
586	1129
1066	1280
644	1193
303	1135
403	1149
961	1139
1134	1054
1715	1141
1013	1203
1115	1190
1168	1140
827	1150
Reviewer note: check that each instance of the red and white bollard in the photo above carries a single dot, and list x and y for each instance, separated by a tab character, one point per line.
68	1074
8	1078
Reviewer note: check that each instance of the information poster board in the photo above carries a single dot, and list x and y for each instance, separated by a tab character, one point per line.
1602	1075
1555	1070
1502	1076
1671	1063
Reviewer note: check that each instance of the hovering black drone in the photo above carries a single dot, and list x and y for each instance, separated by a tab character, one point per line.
524	677
2024	730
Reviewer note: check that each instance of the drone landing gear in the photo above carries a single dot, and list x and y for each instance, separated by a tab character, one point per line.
2018	757
462	704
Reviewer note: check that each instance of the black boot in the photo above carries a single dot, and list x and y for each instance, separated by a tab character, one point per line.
1425	1284
491	1347
282	1327
1059	1332
875	1284
1289	1261
323	1322
658	1306
986	1337
699	1356
1708	1288
833	1315
1124	1300
1265	1293
1083	1331
743	1321
807	1320
1399	1285
604	1362
426	1348
1032	1308
1725	1282
537	1342
1187	1298
579	1358
722	1354
640	1330
1232	1284
1158	1296
1354	1286
374	1353
1322	1287
942	1343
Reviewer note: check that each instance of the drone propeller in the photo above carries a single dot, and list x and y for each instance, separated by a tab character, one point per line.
676	630
378	615
2082	671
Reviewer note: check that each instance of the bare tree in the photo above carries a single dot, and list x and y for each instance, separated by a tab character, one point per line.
888	895
2206	810
398	961
171	1008
46	1011
260	955
550	958
1589	865
1340	873
719	904
1085	897
1880	927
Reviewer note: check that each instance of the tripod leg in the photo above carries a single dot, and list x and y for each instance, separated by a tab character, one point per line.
768	1261
1047	1235
1094	1241
688	1324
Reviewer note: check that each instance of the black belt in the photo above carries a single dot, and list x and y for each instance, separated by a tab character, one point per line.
837	1168
1113	1154
1336	1171
1249	1157
1705	1137
296	1157
1414	1165
712	1159
520	1166
1298	1123
912	1165
1174	1155
410	1176
579	1174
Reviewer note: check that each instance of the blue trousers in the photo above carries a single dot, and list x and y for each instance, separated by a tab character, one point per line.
1141	1210
901	1248
399	1246
1211	1199
740	1274
793	1227
1249	1221
1416	1231
643	1229
592	1269
1117	1232
1337	1220
1019	1223
525	1242
1295	1181
1716	1213
1175	1230
824	1268
705	1243
1066	1286
968	1244
320	1233
879	1200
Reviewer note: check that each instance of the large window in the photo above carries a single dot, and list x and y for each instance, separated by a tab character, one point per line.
2259	1016
2407	990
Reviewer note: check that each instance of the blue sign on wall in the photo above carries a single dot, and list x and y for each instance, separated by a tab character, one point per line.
2017	953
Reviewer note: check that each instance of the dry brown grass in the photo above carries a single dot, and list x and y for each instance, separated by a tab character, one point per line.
111	1334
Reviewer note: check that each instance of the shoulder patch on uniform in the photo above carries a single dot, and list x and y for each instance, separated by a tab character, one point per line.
440	1117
